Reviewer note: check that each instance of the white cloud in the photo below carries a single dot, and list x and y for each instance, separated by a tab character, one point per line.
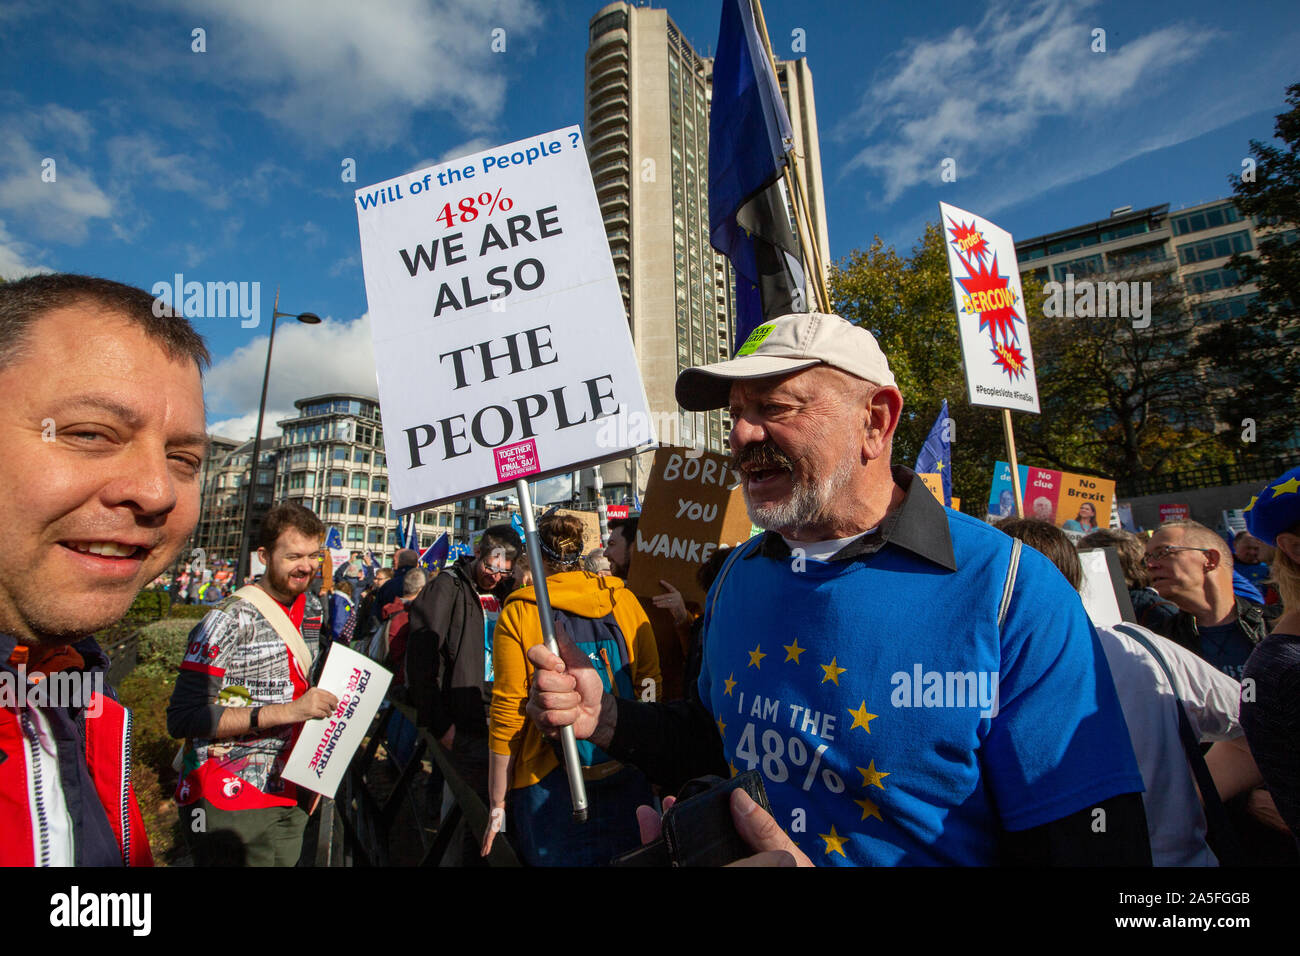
981	95
242	427
61	210
144	158
467	148
335	356
336	70
15	257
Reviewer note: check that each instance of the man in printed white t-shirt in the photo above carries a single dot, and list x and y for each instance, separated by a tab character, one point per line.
1176	821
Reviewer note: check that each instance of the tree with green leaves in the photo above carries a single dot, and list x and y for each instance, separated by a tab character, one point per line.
1117	401
1254	358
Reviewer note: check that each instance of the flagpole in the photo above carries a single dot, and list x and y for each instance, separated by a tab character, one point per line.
568	742
1015	468
803	221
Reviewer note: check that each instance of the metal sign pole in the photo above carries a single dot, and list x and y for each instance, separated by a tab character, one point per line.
568	742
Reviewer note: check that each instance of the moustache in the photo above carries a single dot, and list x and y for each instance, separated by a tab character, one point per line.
762	456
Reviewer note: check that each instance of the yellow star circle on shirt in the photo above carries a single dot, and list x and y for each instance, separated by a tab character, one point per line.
733	769
730	684
1290	486
872	777
869	809
861	718
722	728
833	672
834	842
792	651
1253	499
755	656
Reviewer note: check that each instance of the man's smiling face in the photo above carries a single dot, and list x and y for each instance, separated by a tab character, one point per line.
103	440
796	442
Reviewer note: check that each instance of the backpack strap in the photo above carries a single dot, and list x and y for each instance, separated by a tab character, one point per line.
1219	830
275	616
1010	585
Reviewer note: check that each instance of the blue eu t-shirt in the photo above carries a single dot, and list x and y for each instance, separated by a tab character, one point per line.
893	723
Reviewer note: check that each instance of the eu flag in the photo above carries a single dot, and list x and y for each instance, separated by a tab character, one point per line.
334	540
936	453
749	136
435	556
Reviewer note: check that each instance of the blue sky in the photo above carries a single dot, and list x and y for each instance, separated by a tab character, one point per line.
226	165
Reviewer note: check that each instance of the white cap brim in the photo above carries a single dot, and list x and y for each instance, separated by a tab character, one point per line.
707	387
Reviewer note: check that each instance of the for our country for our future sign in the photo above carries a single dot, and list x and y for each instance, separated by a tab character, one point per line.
502	348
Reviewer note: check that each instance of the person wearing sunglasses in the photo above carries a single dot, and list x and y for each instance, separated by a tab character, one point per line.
449	650
1191	566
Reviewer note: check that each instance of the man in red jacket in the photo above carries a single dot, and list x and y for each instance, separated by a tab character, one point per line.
104	442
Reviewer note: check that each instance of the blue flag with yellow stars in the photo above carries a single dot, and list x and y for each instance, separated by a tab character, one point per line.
435	556
936	454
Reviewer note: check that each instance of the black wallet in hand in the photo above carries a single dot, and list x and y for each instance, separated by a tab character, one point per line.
698	829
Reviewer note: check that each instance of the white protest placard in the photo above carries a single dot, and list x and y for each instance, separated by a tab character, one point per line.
338	558
502	348
325	747
991	319
1097	592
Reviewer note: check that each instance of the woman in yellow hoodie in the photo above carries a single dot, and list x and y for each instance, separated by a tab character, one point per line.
608	624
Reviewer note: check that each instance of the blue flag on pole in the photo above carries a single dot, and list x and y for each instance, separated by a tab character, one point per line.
334	540
517	522
412	535
749	137
435	555
936	453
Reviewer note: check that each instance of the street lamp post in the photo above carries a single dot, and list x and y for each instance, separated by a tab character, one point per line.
307	318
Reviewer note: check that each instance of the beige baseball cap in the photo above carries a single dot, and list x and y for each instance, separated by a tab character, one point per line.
788	344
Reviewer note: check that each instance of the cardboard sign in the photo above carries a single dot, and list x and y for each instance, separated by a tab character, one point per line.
325	747
590	527
692	505
1175	513
990	312
502	348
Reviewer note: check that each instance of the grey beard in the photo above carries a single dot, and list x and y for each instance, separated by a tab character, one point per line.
807	504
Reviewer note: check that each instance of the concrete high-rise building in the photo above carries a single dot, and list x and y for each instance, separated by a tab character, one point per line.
647	94
330	458
332	461
1188	248
224	483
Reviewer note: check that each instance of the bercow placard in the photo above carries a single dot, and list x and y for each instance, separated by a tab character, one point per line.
502	348
991	318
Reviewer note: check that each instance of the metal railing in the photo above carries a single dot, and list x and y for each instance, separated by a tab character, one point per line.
1207	476
367	820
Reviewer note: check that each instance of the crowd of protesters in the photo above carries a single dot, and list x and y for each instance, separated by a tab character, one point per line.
819	639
